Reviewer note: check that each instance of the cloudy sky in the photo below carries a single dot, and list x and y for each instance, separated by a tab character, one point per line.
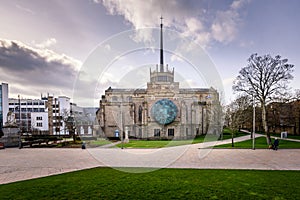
44	45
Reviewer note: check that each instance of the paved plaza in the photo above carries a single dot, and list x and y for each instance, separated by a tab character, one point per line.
28	163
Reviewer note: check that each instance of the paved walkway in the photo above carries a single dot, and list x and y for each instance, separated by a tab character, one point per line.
22	164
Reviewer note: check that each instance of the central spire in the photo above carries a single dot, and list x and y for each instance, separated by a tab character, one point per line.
161	46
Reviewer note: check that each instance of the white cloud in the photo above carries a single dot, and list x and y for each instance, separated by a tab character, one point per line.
47	43
175	57
237	4
226	23
194	24
107	47
106	78
37	70
25	9
189	17
228	81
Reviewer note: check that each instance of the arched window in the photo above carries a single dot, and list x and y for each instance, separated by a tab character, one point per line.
129	98
140	113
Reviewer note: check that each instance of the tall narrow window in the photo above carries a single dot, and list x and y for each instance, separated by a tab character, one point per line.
187	131
156	132
140	113
171	132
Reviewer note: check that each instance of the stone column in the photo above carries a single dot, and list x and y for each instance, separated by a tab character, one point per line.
126	140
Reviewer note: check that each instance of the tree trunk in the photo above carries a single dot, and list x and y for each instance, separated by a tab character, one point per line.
264	122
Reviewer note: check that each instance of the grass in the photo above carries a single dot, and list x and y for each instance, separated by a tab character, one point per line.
166	143
97	143
170	143
289	136
260	143
107	183
227	134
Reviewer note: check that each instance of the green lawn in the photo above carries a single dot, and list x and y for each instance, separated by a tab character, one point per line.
169	143
166	143
107	183
293	137
97	143
260	143
289	136
227	134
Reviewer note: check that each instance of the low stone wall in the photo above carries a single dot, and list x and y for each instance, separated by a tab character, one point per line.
11	136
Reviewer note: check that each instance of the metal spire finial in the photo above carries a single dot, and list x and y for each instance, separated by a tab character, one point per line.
161	46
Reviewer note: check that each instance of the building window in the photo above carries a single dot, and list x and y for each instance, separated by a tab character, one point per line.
39	118
39	124
57	117
140	113
57	124
114	99
171	132
162	79
156	132
129	99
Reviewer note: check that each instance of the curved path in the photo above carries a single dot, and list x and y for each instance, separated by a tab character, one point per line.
22	164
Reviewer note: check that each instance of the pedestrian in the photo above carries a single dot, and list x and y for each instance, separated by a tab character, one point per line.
276	144
83	145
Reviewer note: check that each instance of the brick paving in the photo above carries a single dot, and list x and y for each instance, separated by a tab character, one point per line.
28	163
22	164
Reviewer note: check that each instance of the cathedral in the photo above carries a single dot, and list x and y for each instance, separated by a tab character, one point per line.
162	110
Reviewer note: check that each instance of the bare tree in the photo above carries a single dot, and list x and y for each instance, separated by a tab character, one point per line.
294	96
239	112
230	122
264	78
69	123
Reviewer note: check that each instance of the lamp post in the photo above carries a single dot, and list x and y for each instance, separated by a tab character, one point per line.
121	124
253	131
202	103
71	127
192	128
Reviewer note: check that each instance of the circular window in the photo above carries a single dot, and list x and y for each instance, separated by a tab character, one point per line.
164	111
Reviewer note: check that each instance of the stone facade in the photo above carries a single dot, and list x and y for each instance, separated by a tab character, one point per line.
132	110
162	110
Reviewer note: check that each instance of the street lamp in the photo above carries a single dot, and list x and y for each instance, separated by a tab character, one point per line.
121	122
253	133
71	126
202	103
